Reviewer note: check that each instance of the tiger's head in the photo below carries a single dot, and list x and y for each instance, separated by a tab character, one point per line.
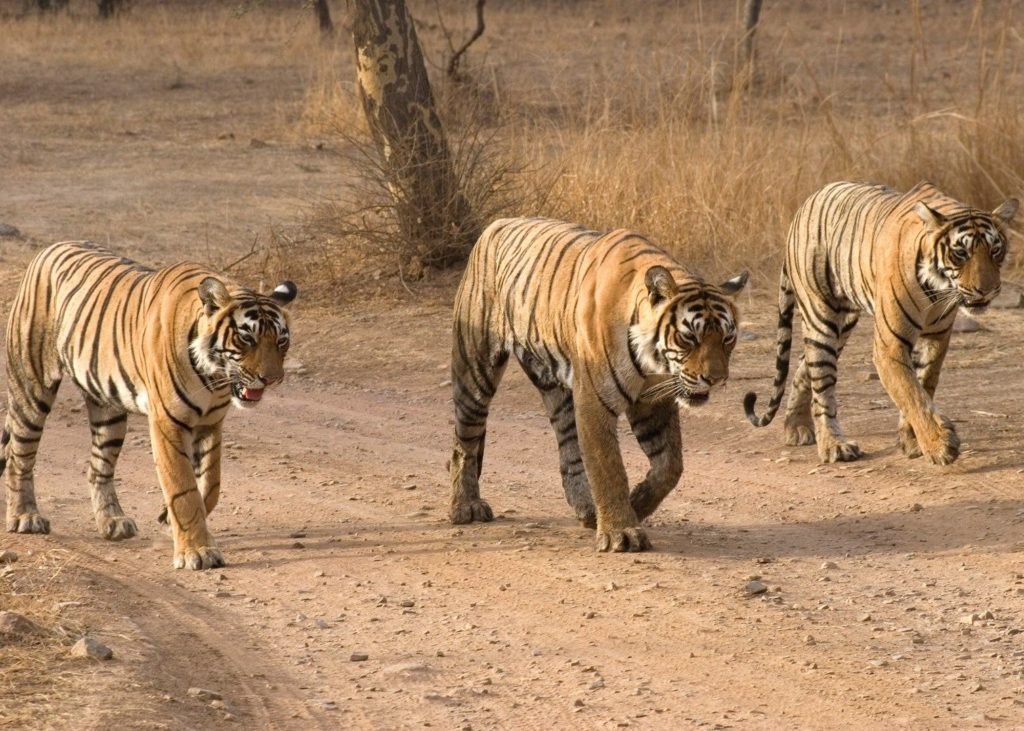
683	336
968	251
240	340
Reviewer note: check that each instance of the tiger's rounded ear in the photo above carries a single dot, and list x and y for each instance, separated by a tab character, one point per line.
660	284
213	294
929	216
284	293
1007	210
736	284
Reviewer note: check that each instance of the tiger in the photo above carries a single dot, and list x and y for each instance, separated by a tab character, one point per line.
603	324
178	344
911	260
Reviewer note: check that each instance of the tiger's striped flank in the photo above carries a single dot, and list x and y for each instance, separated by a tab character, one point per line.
910	260
179	345
603	325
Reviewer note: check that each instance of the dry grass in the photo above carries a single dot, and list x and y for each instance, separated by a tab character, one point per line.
601	112
33	669
636	117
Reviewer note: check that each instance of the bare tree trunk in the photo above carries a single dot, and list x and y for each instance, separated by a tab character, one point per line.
108	8
399	106
751	14
323	14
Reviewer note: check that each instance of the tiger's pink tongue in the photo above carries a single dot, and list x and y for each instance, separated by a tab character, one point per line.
252	394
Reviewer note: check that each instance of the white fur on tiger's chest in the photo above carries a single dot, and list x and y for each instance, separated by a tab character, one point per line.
142	402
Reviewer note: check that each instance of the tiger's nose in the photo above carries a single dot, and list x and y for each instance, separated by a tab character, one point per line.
269	379
713	379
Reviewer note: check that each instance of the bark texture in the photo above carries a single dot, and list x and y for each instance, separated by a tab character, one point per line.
433	214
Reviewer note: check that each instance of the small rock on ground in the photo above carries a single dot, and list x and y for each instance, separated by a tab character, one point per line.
89	647
8	230
755	587
204	694
15	625
964	323
8	556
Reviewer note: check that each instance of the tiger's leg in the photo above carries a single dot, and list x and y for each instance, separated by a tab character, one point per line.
559	404
28	404
206	454
618	528
799	423
822	349
477	369
928	356
108	425
656	428
194	547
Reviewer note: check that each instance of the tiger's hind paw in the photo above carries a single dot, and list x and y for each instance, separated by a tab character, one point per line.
116	527
908	442
799	436
474	510
28	523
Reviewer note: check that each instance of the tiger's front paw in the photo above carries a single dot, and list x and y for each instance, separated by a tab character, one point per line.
622	540
198	559
116	527
839	451
27	523
468	512
943	447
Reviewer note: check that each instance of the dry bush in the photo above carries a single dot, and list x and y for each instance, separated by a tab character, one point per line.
362	223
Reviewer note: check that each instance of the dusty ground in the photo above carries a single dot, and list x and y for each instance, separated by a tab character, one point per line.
333	512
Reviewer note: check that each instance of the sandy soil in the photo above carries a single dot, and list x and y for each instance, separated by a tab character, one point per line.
333	513
333	521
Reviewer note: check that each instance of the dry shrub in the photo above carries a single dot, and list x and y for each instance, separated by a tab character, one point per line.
362	222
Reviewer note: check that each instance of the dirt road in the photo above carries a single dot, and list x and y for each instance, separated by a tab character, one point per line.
333	523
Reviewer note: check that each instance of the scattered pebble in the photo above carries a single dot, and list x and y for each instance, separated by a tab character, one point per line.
754	588
14	625
964	323
8	230
204	694
8	556
406	668
829	566
358	657
91	648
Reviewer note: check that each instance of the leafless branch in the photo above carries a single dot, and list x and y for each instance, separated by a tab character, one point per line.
453	64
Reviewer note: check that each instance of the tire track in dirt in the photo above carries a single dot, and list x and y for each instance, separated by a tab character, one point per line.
197	643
